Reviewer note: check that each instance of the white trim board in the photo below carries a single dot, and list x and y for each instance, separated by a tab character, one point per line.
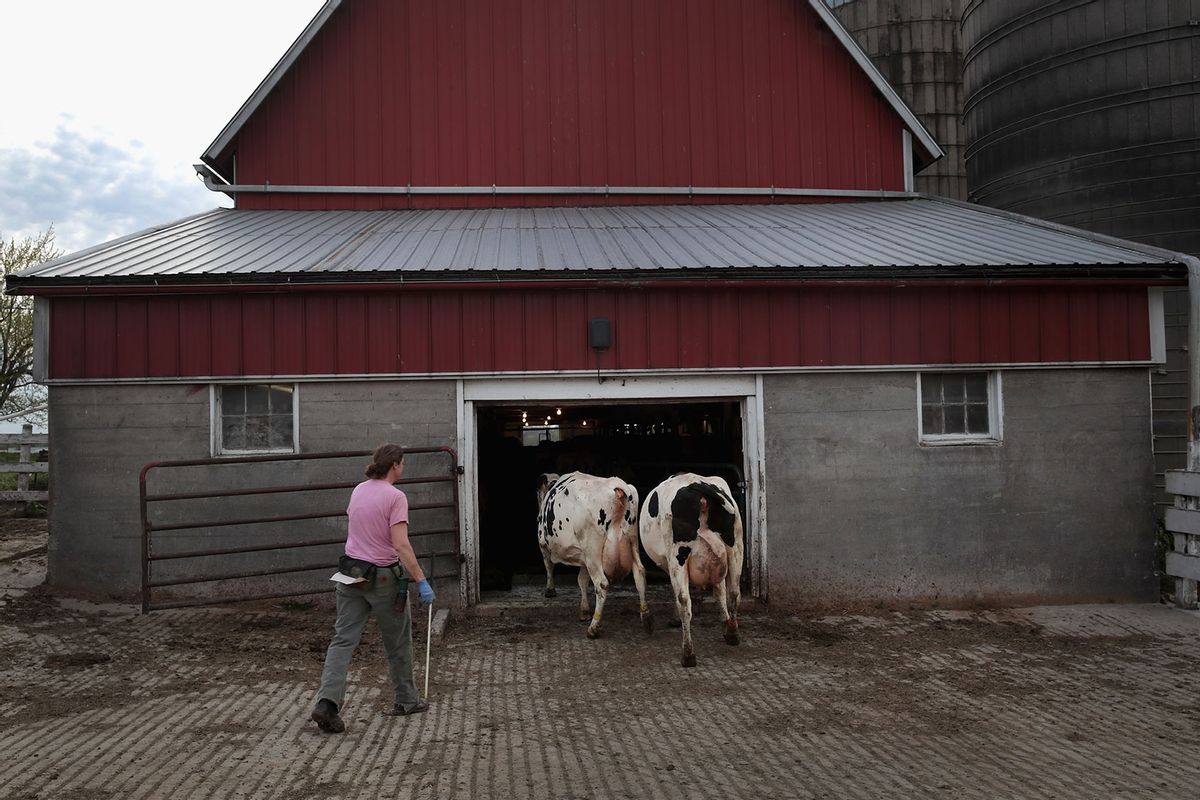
612	388
1158	326
610	379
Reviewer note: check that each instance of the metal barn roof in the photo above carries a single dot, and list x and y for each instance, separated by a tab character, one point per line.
896	238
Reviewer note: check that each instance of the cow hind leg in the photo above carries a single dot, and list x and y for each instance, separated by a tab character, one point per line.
550	591
639	580
585	612
731	631
600	585
683	607
733	594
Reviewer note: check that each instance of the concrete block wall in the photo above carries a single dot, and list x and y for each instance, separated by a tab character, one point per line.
102	436
859	513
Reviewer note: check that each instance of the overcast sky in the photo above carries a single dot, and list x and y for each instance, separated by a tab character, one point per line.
106	105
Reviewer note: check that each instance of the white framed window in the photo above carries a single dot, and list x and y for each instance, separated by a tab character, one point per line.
252	418
959	408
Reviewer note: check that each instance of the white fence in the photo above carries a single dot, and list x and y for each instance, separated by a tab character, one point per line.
1183	523
26	441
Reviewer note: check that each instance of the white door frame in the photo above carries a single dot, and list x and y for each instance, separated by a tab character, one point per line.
746	389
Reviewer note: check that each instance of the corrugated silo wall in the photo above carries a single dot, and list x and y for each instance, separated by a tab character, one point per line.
1086	113
916	45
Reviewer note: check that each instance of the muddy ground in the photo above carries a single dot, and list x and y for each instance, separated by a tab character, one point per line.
1087	701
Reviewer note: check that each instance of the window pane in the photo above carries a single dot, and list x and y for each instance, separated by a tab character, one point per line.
977	418
955	391
233	400
256	399
281	400
956	421
931	419
232	433
257	417
977	387
931	388
281	431
258	432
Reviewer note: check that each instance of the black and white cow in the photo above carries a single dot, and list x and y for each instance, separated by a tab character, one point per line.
591	523
691	527
545	481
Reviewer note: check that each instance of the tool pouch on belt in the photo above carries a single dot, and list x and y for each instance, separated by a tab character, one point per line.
356	568
401	589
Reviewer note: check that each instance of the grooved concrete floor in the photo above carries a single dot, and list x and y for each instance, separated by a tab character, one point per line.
1065	702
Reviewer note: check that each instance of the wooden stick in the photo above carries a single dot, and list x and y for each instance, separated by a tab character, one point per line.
428	640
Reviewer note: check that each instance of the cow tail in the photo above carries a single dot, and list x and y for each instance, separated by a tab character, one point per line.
620	503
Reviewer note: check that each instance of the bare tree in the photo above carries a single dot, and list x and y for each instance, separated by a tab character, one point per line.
18	392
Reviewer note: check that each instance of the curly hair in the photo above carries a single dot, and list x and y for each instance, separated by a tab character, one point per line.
382	460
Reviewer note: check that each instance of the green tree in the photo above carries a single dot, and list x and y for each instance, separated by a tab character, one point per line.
18	392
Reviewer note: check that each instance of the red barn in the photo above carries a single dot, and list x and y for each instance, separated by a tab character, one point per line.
629	238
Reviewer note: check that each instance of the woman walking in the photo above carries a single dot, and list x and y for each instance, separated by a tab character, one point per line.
376	546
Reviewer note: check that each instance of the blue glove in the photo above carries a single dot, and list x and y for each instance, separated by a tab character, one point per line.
426	592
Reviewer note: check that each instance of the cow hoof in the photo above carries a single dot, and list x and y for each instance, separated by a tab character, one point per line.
688	660
551	593
593	632
585	616
731	636
648	624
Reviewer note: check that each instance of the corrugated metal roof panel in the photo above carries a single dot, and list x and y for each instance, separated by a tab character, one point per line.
896	234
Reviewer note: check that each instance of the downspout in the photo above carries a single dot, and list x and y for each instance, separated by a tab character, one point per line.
1183	521
1193	342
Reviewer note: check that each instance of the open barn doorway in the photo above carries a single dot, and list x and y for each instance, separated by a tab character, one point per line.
642	442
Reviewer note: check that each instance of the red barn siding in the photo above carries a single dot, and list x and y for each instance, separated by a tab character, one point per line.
415	331
162	335
531	93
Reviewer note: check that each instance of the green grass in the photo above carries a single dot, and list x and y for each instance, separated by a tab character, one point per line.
38	481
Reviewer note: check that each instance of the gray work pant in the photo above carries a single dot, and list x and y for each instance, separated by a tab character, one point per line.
355	603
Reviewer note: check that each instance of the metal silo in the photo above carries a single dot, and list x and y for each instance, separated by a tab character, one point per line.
1086	112
915	44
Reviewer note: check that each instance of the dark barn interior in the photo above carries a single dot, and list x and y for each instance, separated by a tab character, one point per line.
644	443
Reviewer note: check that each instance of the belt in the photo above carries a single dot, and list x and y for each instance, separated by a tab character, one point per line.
389	573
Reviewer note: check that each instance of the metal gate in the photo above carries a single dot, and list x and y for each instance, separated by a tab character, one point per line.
179	546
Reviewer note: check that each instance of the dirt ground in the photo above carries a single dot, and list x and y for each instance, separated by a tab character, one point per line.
1084	701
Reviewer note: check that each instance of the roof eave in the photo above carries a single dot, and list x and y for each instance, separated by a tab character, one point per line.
915	126
231	129
1159	273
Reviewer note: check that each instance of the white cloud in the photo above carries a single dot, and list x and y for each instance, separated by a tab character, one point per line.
91	189
109	104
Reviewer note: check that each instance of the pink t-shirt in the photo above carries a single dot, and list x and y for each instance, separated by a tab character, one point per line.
375	506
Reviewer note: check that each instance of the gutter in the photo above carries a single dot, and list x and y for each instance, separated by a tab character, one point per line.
687	191
270	284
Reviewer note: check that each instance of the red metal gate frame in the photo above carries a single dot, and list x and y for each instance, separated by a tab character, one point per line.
148	528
